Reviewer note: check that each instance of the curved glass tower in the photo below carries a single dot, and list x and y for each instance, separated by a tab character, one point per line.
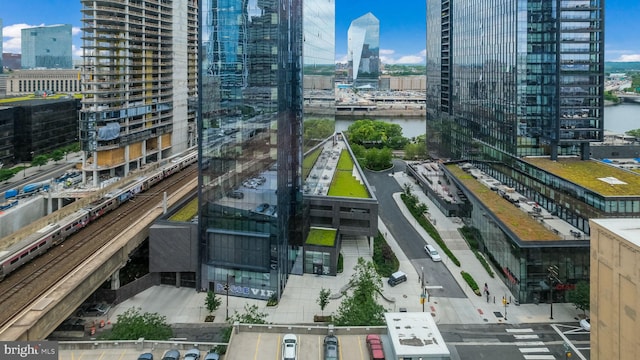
364	50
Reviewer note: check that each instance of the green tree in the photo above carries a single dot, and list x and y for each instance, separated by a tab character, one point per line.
132	325
323	299
635	132
212	301
372	133
39	160
57	155
318	129
580	296
361	308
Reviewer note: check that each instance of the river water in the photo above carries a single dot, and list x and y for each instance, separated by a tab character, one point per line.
617	118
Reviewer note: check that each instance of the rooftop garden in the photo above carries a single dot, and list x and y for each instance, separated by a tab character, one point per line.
343	182
586	173
321	236
309	160
519	222
187	212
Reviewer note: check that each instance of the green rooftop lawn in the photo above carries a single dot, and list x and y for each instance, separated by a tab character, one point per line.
516	220
343	182
586	173
33	97
322	237
187	212
309	160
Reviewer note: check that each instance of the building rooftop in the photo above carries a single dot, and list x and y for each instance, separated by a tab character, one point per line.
321	236
604	179
628	230
415	334
519	222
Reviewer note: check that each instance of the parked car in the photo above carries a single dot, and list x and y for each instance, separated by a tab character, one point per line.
212	355
432	252
145	356
193	354
397	278
331	348
289	347
172	354
236	194
96	309
374	346
262	207
586	324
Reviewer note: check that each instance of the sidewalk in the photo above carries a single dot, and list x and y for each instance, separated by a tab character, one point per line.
474	309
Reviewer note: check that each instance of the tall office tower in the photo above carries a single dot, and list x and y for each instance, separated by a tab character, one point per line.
1	56
250	136
47	47
364	50
319	26
139	83
508	79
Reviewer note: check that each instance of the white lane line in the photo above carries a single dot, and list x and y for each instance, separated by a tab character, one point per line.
519	330
526	336
539	357
531	350
529	343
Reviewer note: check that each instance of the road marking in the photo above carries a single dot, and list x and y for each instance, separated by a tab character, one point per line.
524	337
566	340
255	355
539	357
519	330
529	343
480	311
530	350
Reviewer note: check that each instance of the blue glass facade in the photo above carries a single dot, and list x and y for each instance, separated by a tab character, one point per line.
250	133
364	50
47	47
522	78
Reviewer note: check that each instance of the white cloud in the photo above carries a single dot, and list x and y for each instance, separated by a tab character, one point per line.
410	59
390	57
75	31
76	52
386	52
628	57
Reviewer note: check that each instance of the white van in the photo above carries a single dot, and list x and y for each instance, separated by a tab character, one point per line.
432	252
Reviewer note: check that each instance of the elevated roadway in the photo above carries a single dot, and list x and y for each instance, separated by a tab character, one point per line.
45	313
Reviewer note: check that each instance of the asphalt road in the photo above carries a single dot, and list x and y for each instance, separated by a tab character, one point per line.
508	342
435	273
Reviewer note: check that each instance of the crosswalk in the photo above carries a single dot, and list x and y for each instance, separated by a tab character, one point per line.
530	345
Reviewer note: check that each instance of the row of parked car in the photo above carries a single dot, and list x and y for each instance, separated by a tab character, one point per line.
174	354
331	347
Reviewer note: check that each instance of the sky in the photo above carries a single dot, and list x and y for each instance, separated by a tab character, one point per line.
402	26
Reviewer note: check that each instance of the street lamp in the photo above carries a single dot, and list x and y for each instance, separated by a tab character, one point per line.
553	275
422	285
226	289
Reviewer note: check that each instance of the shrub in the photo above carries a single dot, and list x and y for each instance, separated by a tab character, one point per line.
417	210
384	259
472	283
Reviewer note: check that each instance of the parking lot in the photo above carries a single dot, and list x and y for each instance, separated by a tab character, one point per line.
258	346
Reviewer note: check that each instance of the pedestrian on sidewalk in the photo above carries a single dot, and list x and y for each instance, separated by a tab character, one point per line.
486	290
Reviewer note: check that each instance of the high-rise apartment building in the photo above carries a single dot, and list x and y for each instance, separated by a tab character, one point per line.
364	50
509	79
139	83
250	138
47	47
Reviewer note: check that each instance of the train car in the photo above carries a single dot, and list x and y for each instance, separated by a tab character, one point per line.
40	241
27	249
74	180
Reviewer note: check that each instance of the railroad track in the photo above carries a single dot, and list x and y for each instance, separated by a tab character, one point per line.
21	288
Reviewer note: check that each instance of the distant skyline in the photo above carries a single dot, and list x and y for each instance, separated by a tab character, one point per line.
402	26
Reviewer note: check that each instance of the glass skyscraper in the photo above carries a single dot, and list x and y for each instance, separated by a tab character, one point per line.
364	50
250	134
47	47
507	79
